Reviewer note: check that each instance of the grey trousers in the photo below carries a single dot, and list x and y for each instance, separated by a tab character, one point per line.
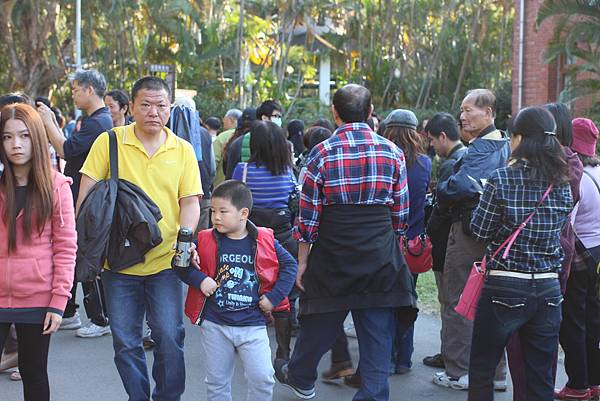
251	343
461	252
438	282
203	223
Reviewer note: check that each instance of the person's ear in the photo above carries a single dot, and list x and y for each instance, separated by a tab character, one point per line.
245	213
264	118
370	111
336	116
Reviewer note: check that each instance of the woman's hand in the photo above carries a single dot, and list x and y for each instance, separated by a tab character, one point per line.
51	323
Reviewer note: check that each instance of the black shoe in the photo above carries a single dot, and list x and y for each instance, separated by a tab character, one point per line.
281	370
354	381
435	361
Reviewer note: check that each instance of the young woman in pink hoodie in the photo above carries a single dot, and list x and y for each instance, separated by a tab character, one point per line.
38	243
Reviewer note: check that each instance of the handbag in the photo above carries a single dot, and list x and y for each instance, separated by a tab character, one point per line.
417	253
467	304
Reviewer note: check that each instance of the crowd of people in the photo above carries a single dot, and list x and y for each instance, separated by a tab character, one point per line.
297	227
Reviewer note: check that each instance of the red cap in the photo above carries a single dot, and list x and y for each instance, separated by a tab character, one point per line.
585	137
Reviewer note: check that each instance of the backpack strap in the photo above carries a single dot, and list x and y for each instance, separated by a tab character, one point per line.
593	180
245	155
113	153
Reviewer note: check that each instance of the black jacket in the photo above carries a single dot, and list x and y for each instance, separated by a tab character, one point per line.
440	221
117	223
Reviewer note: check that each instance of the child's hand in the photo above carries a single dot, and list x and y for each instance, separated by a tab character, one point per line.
194	257
208	286
265	305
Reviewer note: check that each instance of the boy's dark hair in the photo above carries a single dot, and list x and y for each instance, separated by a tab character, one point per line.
150	83
213	123
235	192
443	122
267	108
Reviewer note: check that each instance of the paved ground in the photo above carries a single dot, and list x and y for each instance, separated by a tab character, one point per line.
83	370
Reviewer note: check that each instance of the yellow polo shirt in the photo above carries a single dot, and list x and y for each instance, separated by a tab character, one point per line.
170	174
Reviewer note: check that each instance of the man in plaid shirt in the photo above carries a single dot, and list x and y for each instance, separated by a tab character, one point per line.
354	204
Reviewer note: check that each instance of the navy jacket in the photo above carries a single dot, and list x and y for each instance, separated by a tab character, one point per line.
485	154
77	147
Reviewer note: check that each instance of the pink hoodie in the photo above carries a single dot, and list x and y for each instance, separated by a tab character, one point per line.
39	274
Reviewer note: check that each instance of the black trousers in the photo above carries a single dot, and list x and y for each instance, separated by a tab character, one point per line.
580	330
93	301
33	359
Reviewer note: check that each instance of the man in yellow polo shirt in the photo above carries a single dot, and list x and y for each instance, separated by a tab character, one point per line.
165	167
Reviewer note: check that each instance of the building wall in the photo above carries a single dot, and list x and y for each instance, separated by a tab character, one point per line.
542	82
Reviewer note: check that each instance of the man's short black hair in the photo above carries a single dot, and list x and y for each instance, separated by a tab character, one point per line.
235	192
267	108
213	123
443	122
150	83
352	103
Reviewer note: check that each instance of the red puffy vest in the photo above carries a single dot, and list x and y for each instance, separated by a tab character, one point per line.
265	263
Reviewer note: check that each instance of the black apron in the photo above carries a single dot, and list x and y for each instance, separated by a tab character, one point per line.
356	263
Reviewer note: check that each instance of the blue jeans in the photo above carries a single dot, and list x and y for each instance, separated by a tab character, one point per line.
403	344
509	305
318	332
160	297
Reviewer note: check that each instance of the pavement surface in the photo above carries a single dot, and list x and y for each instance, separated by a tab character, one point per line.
83	370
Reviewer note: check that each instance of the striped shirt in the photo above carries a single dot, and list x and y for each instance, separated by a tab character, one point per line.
268	191
353	167
508	198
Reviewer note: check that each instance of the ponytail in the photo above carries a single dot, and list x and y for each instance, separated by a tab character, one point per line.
539	145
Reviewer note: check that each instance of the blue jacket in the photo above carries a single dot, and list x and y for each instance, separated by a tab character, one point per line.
185	123
485	154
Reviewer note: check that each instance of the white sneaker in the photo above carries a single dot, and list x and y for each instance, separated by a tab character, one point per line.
442	379
71	323
350	330
500	385
93	330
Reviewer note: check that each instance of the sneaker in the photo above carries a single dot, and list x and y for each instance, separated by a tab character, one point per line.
71	323
281	374
500	385
350	330
354	381
93	330
435	361
338	370
147	340
595	392
442	379
568	393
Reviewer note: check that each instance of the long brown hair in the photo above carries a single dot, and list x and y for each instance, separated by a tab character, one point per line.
408	140
39	181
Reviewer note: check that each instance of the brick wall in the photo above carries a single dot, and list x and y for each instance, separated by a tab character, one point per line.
542	82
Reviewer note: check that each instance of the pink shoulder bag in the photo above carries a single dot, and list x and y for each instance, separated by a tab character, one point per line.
467	304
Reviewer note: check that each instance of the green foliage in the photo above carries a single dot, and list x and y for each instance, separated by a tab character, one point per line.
576	40
417	54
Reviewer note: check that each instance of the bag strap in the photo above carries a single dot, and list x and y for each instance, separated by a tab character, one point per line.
593	179
511	239
245	173
113	155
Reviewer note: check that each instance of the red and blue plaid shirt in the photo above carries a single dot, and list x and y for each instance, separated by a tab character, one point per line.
353	167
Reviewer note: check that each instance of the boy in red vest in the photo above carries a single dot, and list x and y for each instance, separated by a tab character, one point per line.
241	275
